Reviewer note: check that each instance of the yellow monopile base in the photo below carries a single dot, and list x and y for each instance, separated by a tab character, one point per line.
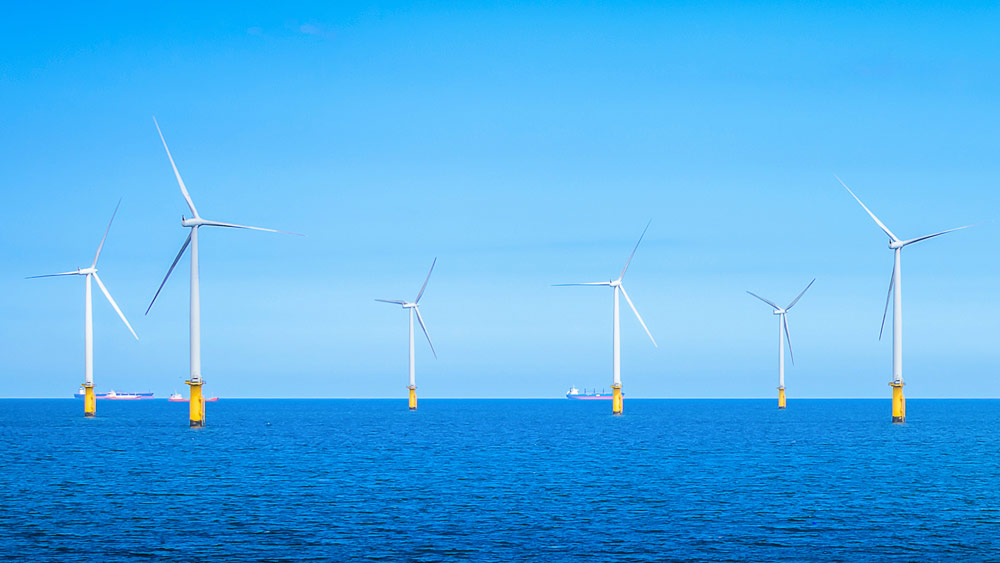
781	397
617	403
89	400
196	407
413	397
898	403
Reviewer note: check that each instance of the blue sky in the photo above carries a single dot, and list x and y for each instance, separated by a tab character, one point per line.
523	145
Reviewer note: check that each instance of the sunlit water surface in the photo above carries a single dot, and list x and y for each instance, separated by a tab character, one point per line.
548	480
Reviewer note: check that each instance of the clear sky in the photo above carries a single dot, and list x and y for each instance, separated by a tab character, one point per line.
522	145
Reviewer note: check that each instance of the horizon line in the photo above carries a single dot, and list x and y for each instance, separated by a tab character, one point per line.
530	398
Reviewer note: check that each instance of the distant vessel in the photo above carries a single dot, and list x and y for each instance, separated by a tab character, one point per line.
115	395
575	393
176	398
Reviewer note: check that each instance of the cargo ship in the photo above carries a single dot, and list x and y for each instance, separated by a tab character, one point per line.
115	395
575	393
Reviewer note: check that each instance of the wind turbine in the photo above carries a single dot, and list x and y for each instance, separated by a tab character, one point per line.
896	292
197	403
782	336
89	400
617	401
415	308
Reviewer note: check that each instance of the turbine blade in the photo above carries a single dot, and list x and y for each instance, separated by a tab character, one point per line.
393	302
788	338
572	284
100	246
880	224
419	295
235	226
53	275
776	308
634	249
180	182
187	241
918	239
104	290
885	313
796	300
424	327
629	301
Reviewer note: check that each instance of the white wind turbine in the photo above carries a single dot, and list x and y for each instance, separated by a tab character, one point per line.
616	285
197	406
89	403
896	293
415	308
783	328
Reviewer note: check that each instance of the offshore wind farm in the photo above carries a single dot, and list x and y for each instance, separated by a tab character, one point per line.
722	161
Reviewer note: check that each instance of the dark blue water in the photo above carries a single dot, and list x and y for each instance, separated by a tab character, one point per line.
548	480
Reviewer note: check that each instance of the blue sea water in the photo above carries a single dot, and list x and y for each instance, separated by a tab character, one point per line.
501	480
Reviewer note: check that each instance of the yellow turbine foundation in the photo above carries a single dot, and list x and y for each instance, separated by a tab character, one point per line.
196	407
781	397
413	397
89	400
898	403
616	400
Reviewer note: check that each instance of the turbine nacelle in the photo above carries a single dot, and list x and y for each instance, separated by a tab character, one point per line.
194	222
200	222
400	302
779	311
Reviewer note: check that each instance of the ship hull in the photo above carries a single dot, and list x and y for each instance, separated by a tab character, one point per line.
118	396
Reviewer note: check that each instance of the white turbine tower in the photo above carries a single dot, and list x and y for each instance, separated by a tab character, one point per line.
617	401
89	400
782	336
415	308
896	293
197	405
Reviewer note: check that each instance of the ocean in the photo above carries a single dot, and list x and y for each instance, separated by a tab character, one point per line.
501	480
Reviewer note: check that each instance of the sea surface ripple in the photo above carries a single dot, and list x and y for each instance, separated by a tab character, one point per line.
491	480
